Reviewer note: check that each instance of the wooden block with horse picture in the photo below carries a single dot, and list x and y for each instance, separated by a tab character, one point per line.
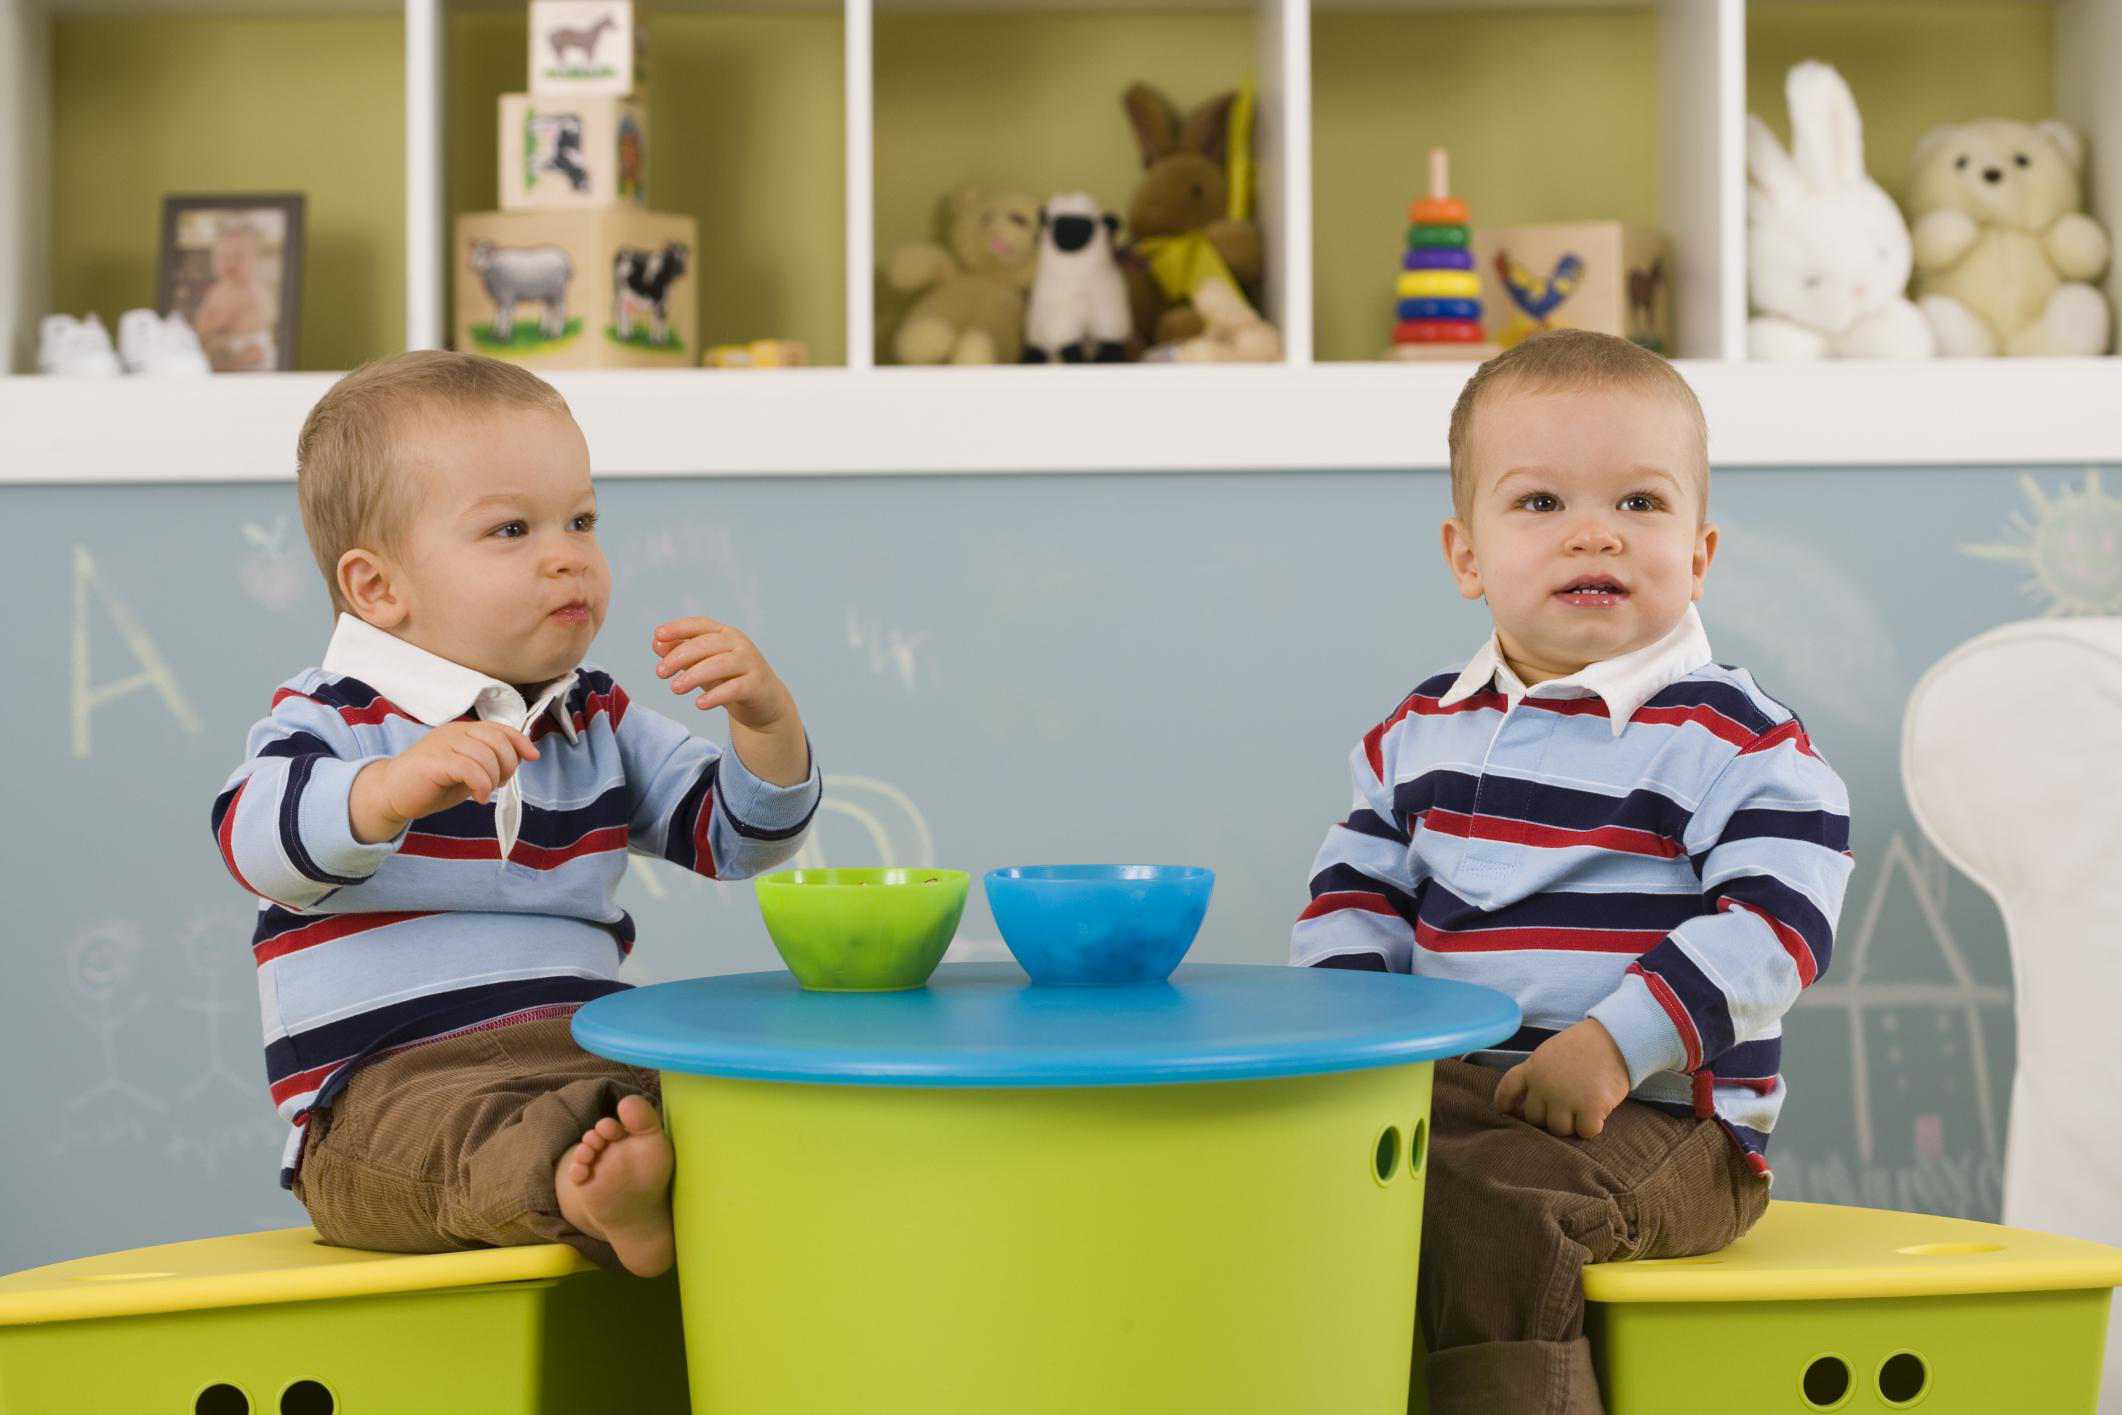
585	48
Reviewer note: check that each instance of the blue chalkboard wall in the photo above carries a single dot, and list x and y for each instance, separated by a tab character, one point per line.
995	670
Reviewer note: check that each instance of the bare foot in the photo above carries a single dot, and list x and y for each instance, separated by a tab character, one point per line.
615	1185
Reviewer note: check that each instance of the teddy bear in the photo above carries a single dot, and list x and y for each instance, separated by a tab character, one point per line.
1183	231
2003	255
975	282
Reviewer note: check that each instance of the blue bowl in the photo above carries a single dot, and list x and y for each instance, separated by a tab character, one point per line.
1085	925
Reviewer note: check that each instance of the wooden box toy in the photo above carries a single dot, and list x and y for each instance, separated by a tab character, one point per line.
585	48
1599	275
569	152
610	288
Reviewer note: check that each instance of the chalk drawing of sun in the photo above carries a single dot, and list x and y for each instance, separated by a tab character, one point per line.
2071	547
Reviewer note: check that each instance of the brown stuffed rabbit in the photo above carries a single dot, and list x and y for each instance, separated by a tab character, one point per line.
1180	219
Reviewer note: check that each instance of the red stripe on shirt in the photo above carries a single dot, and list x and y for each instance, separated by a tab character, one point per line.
536	857
591	706
1701	715
702	850
325	930
1792	731
1333	903
449	847
226	838
1621	839
546	857
288	1087
1682	1023
1633	942
1422	705
1590	705
368	716
1801	953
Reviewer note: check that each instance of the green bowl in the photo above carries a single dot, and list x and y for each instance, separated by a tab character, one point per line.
862	930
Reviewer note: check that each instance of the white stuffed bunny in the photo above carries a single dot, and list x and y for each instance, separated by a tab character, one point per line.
1828	254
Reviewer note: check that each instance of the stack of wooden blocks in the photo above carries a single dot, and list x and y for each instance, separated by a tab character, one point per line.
575	271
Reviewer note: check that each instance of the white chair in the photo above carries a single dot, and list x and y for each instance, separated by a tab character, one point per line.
2011	753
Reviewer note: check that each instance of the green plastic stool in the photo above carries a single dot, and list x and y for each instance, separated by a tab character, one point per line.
1824	1307
278	1323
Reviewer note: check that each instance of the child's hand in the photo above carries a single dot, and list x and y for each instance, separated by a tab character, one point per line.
452	762
694	653
1570	1083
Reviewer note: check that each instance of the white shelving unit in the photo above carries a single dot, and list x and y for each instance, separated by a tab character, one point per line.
1301	413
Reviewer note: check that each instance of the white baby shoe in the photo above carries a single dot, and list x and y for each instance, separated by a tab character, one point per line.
150	344
73	347
54	331
181	348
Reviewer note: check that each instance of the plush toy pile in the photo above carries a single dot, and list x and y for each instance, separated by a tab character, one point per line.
2002	256
1057	283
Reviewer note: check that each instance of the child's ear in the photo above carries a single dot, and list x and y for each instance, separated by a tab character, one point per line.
1459	558
1705	552
368	585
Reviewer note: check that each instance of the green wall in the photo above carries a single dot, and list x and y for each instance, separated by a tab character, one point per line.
1549	115
144	106
1942	63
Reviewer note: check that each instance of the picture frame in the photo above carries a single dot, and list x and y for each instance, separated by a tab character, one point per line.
231	264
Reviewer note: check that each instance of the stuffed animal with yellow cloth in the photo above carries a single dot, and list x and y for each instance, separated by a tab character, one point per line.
1188	217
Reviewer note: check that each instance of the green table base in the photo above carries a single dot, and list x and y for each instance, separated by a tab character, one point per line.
1222	1247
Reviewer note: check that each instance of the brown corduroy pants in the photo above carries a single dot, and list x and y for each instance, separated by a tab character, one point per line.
1511	1214
453	1144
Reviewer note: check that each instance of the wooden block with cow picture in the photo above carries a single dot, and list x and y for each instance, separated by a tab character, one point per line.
585	48
1604	276
564	153
611	288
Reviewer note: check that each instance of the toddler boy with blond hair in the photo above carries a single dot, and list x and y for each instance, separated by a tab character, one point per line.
435	822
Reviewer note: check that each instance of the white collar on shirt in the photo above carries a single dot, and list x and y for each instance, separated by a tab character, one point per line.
1625	682
430	687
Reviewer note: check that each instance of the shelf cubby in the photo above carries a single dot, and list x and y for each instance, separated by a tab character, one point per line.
809	136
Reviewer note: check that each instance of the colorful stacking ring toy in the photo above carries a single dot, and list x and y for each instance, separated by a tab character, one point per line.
1438	291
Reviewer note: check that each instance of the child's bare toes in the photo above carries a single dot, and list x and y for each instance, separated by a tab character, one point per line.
637	1115
627	1196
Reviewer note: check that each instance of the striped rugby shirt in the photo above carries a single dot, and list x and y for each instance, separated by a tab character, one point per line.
364	950
1652	841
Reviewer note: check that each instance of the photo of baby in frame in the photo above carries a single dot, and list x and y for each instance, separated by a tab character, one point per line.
232	266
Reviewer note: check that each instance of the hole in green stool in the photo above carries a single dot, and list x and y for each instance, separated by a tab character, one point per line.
1826	1382
1902	1378
1387	1158
1416	1139
221	1398
307	1398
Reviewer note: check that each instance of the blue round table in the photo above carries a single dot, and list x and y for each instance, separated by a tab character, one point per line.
994	1197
